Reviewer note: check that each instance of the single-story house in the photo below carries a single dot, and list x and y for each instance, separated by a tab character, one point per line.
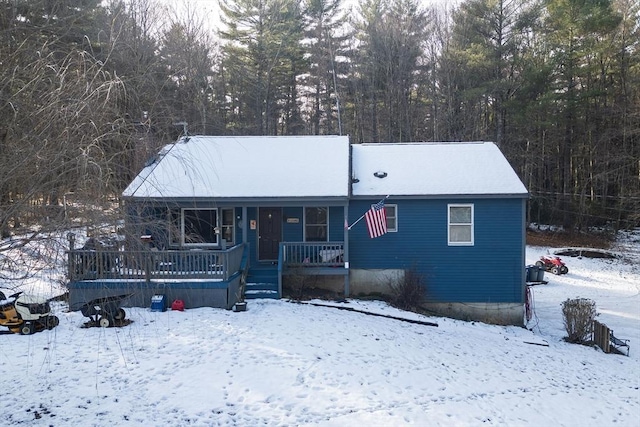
213	220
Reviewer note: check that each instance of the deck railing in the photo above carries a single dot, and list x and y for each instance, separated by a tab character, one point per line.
312	254
85	264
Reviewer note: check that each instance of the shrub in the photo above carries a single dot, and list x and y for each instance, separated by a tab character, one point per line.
578	315
408	293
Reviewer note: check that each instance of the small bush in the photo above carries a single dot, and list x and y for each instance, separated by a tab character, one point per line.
408	293
300	286
578	315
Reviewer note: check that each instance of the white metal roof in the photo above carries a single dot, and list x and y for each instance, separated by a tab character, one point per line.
247	167
465	168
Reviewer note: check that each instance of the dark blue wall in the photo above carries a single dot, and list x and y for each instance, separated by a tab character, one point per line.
292	231
490	271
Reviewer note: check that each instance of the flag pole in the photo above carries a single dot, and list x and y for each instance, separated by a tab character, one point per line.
364	214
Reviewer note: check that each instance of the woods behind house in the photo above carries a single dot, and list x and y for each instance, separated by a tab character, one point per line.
90	89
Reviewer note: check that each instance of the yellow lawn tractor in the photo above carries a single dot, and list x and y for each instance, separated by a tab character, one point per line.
26	314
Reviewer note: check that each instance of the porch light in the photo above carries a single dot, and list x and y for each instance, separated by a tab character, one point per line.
380	174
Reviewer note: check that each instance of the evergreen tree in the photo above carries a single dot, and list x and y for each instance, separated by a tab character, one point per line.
262	60
386	64
326	44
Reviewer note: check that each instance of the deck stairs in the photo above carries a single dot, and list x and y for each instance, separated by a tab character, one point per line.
262	282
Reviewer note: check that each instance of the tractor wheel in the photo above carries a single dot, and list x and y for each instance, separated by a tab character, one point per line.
52	322
539	263
27	328
120	314
555	270
105	322
564	269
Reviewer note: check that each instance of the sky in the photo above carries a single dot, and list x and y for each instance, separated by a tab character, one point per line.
283	363
210	9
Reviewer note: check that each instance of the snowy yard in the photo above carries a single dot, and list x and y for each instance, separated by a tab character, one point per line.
288	364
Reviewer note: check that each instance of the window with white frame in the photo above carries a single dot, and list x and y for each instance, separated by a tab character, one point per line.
194	227
316	224
199	226
392	217
228	226
460	221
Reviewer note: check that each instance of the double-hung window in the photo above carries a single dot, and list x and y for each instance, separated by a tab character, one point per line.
316	224
460	224
392	218
228	226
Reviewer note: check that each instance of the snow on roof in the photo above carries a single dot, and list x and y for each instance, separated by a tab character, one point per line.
470	168
247	167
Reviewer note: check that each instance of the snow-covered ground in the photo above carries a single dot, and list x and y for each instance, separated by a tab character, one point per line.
288	364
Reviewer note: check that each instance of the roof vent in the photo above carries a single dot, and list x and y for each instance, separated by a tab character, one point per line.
380	174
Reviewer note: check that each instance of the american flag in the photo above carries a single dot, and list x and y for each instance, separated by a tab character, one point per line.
376	219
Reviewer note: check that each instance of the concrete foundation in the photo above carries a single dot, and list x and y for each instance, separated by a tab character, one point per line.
373	282
493	313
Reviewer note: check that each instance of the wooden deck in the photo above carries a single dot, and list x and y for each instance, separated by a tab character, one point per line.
99	264
295	258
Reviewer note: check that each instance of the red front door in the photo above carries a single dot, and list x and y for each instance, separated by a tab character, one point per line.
269	233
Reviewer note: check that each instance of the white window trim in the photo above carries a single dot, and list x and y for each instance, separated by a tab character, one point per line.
199	245
222	225
449	224
389	229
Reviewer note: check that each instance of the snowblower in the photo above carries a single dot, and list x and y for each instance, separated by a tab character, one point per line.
26	314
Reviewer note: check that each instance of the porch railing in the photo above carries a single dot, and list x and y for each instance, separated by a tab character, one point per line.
103	263
312	254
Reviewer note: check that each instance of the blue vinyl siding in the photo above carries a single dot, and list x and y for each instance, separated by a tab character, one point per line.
489	271
252	235
336	224
295	232
292	232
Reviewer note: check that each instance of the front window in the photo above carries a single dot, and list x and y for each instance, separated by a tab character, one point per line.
460	225
193	227
199	226
316	222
